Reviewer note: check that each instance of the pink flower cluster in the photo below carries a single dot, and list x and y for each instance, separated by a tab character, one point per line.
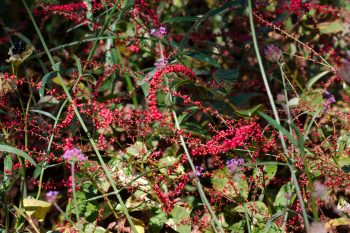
159	33
74	155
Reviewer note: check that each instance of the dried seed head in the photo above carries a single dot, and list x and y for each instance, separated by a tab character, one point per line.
273	53
19	52
7	84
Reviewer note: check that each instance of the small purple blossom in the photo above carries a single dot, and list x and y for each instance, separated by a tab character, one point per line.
329	99
74	155
51	196
160	63
234	164
162	31
159	33
198	170
273	53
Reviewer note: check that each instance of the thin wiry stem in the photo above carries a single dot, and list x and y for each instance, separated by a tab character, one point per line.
269	93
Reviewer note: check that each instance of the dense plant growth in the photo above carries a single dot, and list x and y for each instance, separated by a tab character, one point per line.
174	116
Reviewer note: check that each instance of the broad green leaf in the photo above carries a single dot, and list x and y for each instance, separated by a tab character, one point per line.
285	196
13	150
228	75
280	128
312	101
158	220
314	79
238	227
231	186
243	98
195	128
331	27
255	209
92	228
171	151
180	215
204	58
270	171
137	150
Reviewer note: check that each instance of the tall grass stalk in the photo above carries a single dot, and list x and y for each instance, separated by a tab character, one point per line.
274	109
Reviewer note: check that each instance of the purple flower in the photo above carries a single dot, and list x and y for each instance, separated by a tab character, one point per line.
162	31
160	63
153	32
329	99
234	164
159	33
74	155
198	170
51	196
273	53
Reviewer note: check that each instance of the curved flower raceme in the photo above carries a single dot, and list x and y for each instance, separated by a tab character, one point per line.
156	79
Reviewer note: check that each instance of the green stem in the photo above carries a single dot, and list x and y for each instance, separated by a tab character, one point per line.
82	123
49	147
197	181
269	93
287	100
75	196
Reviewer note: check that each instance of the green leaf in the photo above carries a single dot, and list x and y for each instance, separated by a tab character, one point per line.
137	150
255	209
209	14
77	61
204	58
238	227
251	111
158	220
196	128
46	77
182	19
44	113
13	150
280	128
7	167
228	75
230	186
92	228
331	27
314	79
312	101
285	196
180	215
129	4
270	172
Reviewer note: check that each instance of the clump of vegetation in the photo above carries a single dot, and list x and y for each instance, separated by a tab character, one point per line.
174	116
